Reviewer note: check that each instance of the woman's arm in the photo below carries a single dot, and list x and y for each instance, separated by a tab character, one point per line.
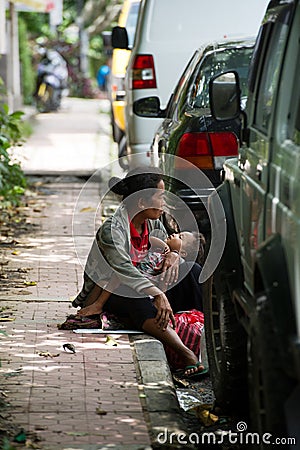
170	269
164	310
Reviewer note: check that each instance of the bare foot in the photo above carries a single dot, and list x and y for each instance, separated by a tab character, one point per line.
90	310
194	369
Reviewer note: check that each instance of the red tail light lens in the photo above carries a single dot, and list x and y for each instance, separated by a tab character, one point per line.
224	144
201	148
193	144
143	72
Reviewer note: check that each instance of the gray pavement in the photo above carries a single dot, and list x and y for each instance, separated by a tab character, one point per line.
75	140
103	396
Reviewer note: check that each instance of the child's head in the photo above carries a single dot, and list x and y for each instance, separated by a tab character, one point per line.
187	243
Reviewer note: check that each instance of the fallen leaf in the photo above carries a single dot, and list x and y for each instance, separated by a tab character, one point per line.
3	332
23	269
47	354
205	416
111	342
87	209
30	283
69	347
100	411
20	437
30	444
77	433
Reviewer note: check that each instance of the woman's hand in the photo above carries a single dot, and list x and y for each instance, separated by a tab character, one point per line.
170	268
164	311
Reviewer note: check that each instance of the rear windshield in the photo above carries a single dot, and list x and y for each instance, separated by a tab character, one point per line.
220	61
131	22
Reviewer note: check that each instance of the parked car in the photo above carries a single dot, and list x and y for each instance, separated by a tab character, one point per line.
128	18
190	132
167	35
252	309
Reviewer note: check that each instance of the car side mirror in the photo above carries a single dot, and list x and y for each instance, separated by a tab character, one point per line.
119	38
225	96
148	107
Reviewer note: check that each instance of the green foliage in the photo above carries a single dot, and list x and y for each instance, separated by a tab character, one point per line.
96	55
37	23
28	74
12	179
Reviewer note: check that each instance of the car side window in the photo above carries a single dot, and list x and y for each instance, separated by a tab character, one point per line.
180	97
296	128
293	114
269	77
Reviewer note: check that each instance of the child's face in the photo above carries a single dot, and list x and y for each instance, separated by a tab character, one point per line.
180	241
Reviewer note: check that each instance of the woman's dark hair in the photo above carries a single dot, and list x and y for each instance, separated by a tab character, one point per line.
136	180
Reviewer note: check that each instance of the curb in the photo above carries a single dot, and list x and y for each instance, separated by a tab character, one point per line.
157	393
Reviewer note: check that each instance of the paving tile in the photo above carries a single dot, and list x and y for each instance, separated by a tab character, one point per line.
58	397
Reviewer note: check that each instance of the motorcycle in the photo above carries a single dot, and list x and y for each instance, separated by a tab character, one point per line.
52	81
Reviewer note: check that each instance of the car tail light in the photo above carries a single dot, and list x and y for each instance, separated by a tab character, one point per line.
204	149
143	72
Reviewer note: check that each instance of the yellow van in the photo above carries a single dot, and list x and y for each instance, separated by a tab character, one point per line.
128	19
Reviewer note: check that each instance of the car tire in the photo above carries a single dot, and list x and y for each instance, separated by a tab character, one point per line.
269	385
226	342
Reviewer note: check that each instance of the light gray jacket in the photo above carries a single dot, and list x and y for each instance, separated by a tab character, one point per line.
110	255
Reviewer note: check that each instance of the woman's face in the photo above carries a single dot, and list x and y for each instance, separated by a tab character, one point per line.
154	207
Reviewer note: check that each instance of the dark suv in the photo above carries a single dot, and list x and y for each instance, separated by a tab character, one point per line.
252	302
189	131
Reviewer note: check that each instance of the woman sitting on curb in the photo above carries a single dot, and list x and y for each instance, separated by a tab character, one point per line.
121	243
151	266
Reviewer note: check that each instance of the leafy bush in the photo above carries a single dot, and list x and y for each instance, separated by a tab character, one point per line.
28	73
12	179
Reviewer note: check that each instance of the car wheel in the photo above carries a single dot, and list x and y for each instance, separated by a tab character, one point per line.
226	343
269	385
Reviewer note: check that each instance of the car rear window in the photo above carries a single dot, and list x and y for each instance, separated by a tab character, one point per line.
220	61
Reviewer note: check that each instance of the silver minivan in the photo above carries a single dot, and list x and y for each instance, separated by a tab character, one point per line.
167	35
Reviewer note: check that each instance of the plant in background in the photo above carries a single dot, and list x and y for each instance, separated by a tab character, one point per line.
28	72
12	178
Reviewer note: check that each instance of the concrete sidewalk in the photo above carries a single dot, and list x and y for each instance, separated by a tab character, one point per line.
112	393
